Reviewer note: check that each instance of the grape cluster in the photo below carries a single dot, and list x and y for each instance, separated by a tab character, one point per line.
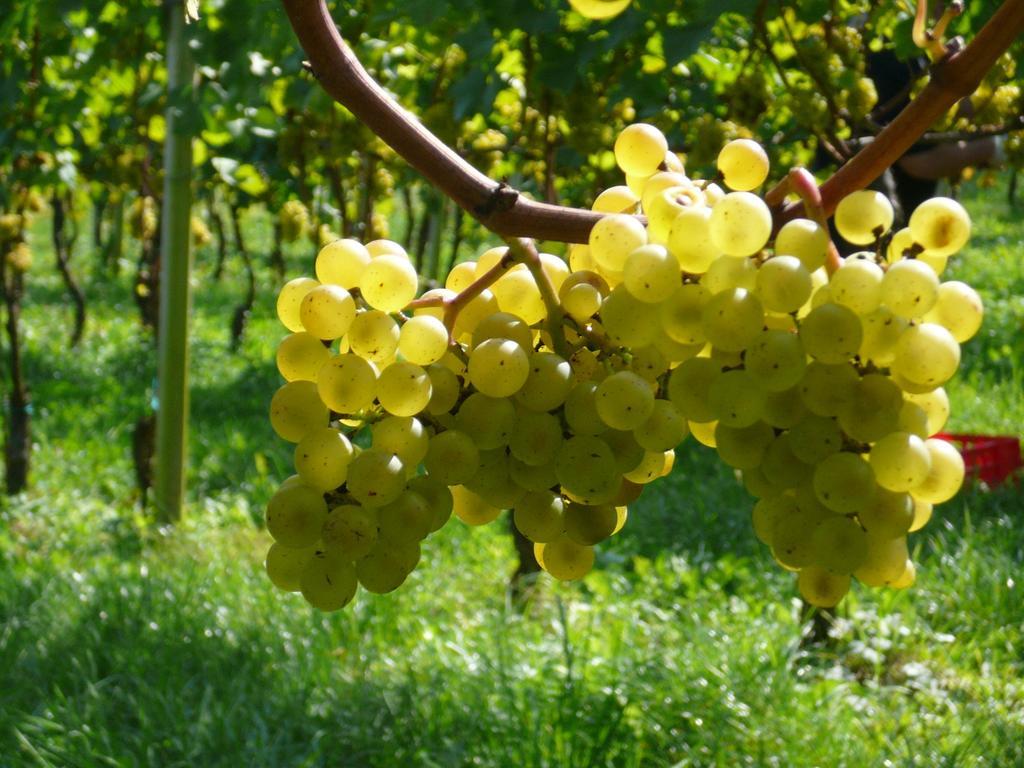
559	391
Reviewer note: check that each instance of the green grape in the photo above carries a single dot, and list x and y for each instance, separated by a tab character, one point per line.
403	436
743	447
581	302
587	524
627	320
768	511
905	579
383	569
783	284
735	398
958	308
882	329
556	269
581	410
857	284
689	388
586	467
347	383
535	437
350	531
289	301
517	293
452	457
498	367
295	516
389	282
913	419
651	274
296	410
445	389
901	461
328	582
781	465
541	477
703	432
547	384
342	262
922	514
941	225
327	311
403	389
285	565
438	497
649	363
827	389
666	205
624	400
732	319
945	475
639	148
538	515
489	420
792	539
935	404
654	186
322	458
814	438
831	333
822	588
471	508
563	558
926	355
504	325
375	478
490	259
889	516
806	240
844	482
839	545
383	247
406	519
725	274
653	465
874	410
689	240
617	199
423	340
627	451
675	352
776	360
910	288
613	238
461	276
740	224
743	164
374	336
681	314
663	430
300	356
886	561
863	216
783	409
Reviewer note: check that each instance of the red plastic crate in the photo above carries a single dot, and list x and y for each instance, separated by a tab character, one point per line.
990	458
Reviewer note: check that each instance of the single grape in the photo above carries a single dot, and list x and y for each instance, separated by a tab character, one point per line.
296	410
863	216
375	478
743	164
300	356
639	148
374	336
327	311
285	565
740	224
941	225
350	530
289	301
328	582
806	240
403	389
342	262
347	383
322	458
423	340
844	482
295	516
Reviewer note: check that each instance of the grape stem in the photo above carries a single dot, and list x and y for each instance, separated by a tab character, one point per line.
457	303
524	251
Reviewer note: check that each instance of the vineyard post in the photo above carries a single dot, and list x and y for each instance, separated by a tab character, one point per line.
175	298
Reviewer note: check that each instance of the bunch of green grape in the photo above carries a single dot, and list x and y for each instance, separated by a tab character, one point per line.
293	220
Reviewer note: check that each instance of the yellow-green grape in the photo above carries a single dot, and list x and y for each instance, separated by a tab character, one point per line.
538	515
740	224
681	314
689	240
300	356
743	164
296	410
882	329
452	457
776	360
403	389
613	238
516	292
504	325
639	148
384	569
743	447
423	340
461	276
490	258
581	409
814	438
327	311
375	478
703	432
627	451
901	461
476	311
890	514
624	400
831	333
783	409
347	383
535	437
285	565
910	288
445	389
782	466
374	336
436	312
470	508
488	419
844	482
941	225
627	320
657	184
805	239
792	539
905	579
498	367
438	497
599	9
586	467
649	363
618	199
913	419
689	388
945	476
407	519
732	319
533	478
350	530
404	436
736	399
935	404
565	559
922	514
874	410
666	206
588	525
651	274
768	511
863	216
927	355
857	284
783	284
822	588
885	563
493	480
342	262
580	258
664	429
958	308
383	247
726	274
322	458
581	301
839	544
289	302
827	389
295	516
328	582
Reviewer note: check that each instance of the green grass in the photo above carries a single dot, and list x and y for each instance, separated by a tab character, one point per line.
125	644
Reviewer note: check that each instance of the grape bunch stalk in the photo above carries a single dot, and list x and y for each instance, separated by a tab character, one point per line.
560	390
